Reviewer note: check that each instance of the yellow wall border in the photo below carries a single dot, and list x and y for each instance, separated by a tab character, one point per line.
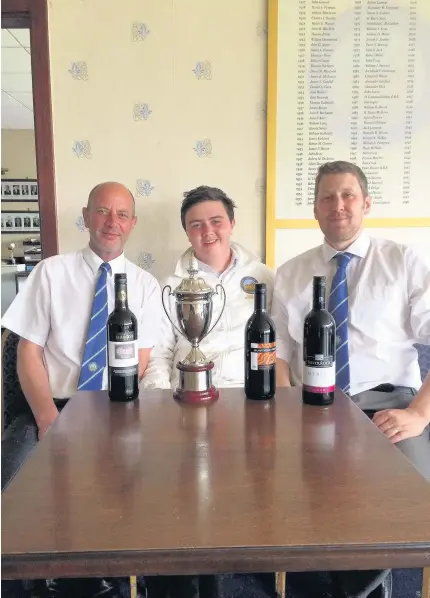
368	223
273	224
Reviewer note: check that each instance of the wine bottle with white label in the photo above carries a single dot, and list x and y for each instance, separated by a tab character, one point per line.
123	353
260	350
319	341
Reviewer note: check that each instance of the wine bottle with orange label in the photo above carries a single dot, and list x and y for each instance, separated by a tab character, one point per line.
260	350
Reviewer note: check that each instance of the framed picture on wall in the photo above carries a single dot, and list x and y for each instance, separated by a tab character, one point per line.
19	190
14	221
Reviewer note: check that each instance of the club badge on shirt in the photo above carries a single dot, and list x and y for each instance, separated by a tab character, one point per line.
247	284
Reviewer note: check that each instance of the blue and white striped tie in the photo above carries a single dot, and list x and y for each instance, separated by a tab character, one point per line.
94	359
338	307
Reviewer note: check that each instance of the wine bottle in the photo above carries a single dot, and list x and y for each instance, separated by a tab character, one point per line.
319	367
123	353
260	350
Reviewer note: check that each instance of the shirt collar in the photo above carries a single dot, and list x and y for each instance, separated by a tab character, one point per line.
205	268
359	248
94	261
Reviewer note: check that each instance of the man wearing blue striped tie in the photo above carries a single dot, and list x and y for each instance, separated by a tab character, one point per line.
60	316
379	296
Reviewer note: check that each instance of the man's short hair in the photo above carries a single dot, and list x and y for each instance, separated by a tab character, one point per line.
204	193
342	167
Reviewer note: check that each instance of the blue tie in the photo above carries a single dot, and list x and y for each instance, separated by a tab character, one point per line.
94	359
338	307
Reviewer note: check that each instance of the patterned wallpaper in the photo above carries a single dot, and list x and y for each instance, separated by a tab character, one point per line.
161	96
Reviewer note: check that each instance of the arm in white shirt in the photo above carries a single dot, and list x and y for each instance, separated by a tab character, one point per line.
34	381
144	355
159	370
149	322
418	281
421	403
29	316
284	342
418	276
400	424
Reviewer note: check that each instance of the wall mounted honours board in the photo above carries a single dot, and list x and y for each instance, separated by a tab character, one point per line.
347	80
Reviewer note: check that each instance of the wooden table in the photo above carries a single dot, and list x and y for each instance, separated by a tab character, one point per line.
153	487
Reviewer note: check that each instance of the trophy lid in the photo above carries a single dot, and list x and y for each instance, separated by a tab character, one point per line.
194	285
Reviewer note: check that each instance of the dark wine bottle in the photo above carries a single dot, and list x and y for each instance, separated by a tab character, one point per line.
260	350
123	353
319	341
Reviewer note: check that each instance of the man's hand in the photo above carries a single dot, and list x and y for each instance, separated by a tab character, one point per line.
45	422
400	424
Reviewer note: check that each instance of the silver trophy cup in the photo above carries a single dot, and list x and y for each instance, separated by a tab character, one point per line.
193	307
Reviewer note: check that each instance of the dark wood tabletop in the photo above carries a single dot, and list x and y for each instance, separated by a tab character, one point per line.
156	487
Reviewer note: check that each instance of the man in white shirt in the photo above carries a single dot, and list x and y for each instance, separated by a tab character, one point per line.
51	313
207	216
388	289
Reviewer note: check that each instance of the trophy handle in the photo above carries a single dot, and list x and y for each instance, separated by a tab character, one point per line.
222	310
165	310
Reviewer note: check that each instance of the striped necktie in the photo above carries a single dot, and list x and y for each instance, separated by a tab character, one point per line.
338	307
94	359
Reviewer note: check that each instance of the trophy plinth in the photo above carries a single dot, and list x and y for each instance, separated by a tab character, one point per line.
193	306
195	383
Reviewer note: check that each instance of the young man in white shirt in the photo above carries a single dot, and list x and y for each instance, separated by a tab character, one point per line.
207	216
388	290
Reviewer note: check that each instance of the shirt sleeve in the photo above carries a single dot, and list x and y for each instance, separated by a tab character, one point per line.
150	316
418	277
159	370
279	312
29	315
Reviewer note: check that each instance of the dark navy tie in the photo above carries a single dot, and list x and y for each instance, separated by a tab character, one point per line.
338	307
94	359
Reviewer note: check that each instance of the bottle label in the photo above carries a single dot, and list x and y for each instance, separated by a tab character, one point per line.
263	356
121	295
123	354
319	374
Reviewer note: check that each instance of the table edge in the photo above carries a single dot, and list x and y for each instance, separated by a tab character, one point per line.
214	560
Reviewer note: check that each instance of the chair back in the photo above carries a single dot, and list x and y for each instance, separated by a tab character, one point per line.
423	359
13	401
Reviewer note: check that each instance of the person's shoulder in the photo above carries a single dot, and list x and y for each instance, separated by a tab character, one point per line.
302	260
259	270
394	253
140	275
382	244
53	263
171	280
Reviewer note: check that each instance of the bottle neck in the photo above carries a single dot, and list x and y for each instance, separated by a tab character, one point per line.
319	296
260	302
121	299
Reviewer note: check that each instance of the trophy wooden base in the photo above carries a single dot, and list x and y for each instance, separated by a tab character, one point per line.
195	384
